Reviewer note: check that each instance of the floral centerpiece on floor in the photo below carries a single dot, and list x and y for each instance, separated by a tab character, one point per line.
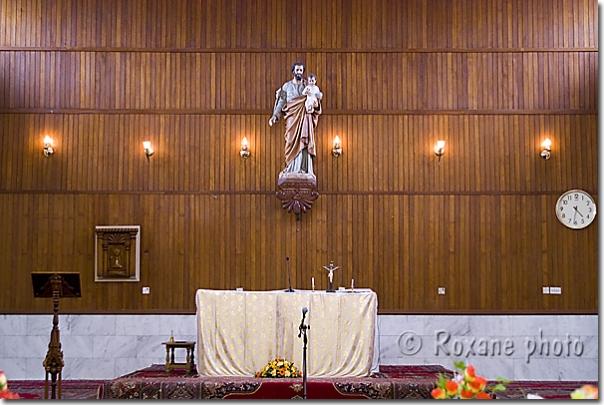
4	391
466	385
279	368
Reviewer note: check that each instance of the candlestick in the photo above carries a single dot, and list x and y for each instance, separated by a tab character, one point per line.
352	284
313	283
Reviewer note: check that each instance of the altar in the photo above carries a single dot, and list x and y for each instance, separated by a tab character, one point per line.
239	332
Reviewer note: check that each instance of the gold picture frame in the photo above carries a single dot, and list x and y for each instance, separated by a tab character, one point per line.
117	253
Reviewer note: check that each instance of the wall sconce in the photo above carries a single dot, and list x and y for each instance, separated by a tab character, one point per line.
148	149
337	147
48	144
245	149
439	149
547	149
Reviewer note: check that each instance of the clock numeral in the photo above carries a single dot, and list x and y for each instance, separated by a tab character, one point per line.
564	202
563	215
587	203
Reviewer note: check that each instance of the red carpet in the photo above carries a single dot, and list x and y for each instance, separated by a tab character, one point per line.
70	389
414	382
392	382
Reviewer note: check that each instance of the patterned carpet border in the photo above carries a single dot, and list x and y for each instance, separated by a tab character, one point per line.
153	383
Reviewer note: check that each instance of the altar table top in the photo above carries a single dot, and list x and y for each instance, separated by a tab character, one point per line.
239	332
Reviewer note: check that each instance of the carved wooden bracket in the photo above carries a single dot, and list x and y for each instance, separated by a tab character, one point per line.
297	192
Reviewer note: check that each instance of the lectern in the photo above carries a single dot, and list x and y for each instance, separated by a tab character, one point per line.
55	285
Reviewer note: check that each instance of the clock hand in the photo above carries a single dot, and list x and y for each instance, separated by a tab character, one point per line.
577	212
575	216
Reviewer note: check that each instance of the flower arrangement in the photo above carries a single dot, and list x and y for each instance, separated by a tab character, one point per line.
4	391
279	368
466	385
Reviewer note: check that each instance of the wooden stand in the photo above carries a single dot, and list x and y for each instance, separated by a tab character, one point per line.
171	364
55	286
297	192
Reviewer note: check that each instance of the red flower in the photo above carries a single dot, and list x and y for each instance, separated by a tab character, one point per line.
469	374
478	384
483	395
452	388
466	394
437	393
6	394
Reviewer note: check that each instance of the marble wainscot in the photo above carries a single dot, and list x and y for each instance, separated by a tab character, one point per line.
516	347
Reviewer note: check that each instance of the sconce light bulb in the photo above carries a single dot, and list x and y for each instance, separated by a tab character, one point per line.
439	148
147	148
337	146
48	144
547	147
244	152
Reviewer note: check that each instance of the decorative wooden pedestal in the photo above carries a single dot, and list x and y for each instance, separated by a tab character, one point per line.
297	192
57	286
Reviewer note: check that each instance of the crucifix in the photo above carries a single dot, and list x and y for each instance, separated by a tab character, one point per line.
331	269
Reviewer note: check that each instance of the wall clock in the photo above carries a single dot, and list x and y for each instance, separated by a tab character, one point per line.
576	209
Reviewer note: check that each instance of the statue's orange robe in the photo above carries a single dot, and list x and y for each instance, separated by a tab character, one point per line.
299	128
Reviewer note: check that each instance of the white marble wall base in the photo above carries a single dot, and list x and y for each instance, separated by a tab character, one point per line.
520	347
108	346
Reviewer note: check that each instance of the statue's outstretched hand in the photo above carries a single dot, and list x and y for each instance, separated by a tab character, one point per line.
272	121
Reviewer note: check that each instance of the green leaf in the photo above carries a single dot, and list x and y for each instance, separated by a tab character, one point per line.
498	387
460	365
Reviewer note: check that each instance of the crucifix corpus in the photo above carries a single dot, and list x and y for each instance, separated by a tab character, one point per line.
331	269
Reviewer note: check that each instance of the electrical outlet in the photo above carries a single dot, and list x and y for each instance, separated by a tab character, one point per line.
441	290
555	290
545	290
146	290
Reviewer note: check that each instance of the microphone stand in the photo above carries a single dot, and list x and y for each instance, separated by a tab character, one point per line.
303	328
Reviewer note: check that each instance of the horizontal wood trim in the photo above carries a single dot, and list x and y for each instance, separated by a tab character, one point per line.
322	192
269	112
288	50
380	312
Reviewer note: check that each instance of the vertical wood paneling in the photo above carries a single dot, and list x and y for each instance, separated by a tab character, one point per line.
492	79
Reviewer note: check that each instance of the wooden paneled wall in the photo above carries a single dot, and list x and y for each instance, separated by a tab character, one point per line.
492	78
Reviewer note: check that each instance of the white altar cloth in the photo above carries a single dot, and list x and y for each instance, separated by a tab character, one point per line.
239	332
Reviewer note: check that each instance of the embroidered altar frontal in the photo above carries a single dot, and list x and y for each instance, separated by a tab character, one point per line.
239	332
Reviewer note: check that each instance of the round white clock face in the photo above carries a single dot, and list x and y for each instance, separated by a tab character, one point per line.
576	209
